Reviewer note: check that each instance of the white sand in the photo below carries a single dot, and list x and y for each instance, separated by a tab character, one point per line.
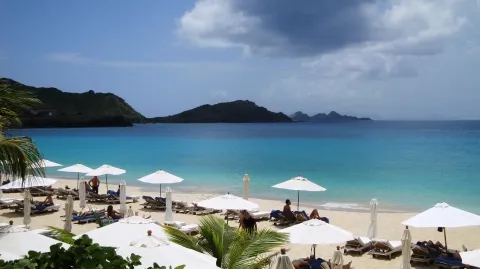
389	226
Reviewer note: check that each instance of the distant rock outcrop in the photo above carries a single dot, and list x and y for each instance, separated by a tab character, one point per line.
322	117
230	112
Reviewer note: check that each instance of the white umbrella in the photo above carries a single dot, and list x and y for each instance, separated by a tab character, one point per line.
372	228
444	216
299	184
168	210
106	170
337	259
159	250
27	219
246	186
316	232
1	184
406	249
46	163
114	235
68	214
30	181
82	194
77	168
471	258
284	262
123	197
160	177
228	201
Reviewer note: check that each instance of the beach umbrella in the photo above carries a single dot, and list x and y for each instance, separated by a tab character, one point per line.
337	259
46	163
129	211
77	168
27	219
471	258
68	214
30	181
406	249
114	235
168	210
106	170
160	177
153	249
316	232
246	186
283	262
16	242
228	201
82	194
443	216
299	184
372	228
123	197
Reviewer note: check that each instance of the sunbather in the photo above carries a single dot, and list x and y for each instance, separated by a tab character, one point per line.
46	202
298	264
287	212
247	223
113	214
91	212
87	187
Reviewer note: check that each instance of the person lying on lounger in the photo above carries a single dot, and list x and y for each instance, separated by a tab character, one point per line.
47	201
287	212
302	263
91	212
113	214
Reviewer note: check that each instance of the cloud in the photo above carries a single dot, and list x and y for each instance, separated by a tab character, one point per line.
368	39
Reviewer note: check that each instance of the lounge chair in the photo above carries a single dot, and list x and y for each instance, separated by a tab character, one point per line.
385	248
96	198
358	245
260	215
115	198
200	211
421	255
190	229
63	194
152	203
8	202
38	209
444	262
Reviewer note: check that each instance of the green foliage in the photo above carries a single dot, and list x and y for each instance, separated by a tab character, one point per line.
12	103
60	235
82	254
233	249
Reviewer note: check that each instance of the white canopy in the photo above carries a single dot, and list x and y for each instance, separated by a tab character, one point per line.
317	232
372	228
471	258
106	170
115	235
76	168
228	201
46	163
161	177
16	242
29	182
158	249
299	184
443	215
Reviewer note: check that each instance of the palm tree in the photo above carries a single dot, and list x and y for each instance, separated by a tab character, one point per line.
19	156
233	249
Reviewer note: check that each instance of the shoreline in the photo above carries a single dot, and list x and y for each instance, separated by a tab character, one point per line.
337	206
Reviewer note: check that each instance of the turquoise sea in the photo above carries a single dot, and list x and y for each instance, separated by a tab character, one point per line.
405	165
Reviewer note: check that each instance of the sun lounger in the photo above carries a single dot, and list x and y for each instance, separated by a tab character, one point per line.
152	203
96	198
200	211
385	248
358	245
37	209
40	192
190	229
113	195
63	194
421	255
260	215
444	262
8	202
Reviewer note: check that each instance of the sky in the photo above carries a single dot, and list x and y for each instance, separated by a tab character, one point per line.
385	59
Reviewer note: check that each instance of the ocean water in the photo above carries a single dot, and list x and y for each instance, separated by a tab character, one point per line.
405	165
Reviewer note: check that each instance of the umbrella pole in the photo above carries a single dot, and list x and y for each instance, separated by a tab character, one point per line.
160	190
445	237
298	200
78	179
106	181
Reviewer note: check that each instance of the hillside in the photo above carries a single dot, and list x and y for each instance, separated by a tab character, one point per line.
64	109
229	112
322	117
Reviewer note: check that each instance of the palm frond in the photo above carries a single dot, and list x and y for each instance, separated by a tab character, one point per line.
60	235
19	157
182	239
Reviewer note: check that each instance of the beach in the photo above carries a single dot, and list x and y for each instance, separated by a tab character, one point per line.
389	224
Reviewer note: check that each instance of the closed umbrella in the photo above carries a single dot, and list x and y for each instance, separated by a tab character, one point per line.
299	184
123	197
82	194
406	249
471	258
442	215
337	259
77	168
106	170
168	210
372	228
246	187
284	262
27	219
161	177
68	214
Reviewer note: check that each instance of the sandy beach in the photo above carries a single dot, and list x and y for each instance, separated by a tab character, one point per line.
389	224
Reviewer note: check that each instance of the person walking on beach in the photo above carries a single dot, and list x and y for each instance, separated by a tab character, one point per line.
94	183
247	223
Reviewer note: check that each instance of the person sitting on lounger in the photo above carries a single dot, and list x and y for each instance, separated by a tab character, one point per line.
113	214
287	211
88	188
47	201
